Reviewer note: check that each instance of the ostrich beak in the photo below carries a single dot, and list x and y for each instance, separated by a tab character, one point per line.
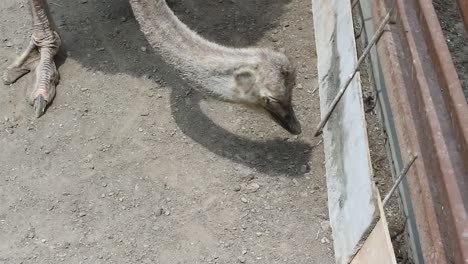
285	117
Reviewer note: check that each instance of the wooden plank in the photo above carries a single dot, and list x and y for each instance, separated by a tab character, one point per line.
351	197
378	246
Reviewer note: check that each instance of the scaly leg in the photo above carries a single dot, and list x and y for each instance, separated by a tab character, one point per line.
39	58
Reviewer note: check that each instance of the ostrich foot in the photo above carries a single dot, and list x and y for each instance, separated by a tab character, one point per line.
38	58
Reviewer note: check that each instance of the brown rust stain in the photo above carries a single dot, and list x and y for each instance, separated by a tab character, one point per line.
431	117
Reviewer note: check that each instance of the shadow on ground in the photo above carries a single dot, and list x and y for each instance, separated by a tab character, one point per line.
110	24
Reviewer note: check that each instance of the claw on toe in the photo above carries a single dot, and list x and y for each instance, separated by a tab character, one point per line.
11	75
39	105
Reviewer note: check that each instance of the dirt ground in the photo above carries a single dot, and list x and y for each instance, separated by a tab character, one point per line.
129	165
457	37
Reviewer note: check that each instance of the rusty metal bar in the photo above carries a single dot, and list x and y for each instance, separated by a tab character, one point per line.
431	118
392	144
463	5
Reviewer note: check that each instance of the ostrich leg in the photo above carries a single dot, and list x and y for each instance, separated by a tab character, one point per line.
39	58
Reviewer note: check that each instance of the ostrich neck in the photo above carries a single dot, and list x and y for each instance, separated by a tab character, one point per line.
202	62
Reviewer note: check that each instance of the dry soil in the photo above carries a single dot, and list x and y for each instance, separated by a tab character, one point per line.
130	165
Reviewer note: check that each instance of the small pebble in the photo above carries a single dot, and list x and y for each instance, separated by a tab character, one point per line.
248	177
295	182
89	166
274	38
30	235
325	225
241	259
244	200
158	212
325	240
252	187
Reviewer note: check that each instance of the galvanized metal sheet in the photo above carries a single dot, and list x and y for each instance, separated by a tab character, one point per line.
351	196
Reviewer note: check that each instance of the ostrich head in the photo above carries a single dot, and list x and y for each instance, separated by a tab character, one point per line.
268	86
